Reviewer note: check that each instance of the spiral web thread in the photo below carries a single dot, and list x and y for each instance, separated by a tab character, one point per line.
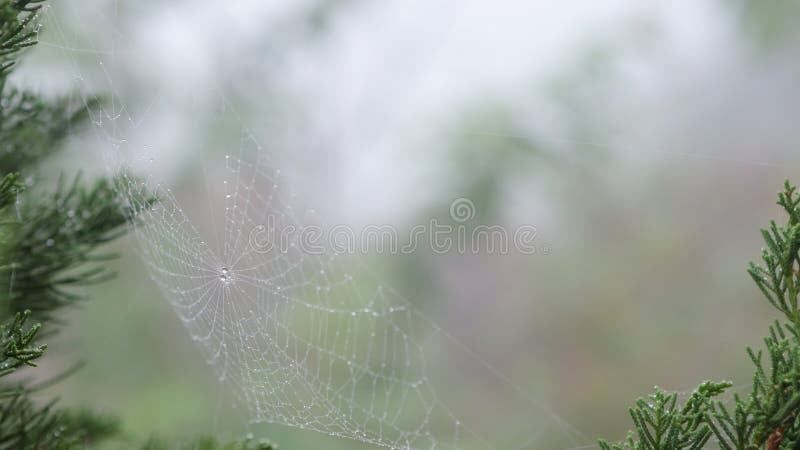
309	341
304	340
297	339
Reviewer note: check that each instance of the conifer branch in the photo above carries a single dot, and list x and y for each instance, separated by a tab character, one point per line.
210	443
16	30
56	239
769	416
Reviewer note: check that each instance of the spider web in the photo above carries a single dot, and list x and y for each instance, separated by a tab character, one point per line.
312	341
306	340
298	339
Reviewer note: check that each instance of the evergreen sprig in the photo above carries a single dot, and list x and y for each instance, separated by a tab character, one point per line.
26	425
53	246
31	128
49	243
17	344
210	443
662	424
23	424
769	416
10	187
17	30
778	277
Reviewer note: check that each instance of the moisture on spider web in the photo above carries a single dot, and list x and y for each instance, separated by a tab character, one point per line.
308	340
314	340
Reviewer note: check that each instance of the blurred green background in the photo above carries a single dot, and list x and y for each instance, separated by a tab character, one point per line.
645	142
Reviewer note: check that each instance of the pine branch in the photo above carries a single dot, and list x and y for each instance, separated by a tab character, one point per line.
10	187
661	424
208	443
17	30
769	416
53	247
23	424
32	129
48	245
17	344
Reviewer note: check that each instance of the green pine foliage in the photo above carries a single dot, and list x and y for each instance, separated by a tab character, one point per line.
53	248
210	443
43	247
49	242
16	30
767	418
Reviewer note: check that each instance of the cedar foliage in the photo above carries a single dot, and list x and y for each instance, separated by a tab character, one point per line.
766	418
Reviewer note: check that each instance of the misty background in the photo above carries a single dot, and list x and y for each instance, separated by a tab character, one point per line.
644	141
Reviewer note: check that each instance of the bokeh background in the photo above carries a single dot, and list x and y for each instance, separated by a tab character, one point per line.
644	140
